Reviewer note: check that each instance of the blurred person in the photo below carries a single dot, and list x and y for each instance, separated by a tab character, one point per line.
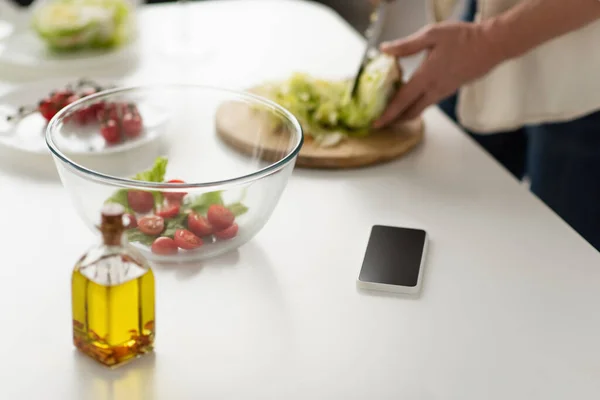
522	77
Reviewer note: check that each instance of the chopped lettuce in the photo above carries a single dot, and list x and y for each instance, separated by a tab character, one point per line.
325	108
77	24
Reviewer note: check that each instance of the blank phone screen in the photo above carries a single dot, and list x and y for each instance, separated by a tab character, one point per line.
393	256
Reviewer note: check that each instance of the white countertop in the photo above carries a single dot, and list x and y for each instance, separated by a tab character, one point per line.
509	308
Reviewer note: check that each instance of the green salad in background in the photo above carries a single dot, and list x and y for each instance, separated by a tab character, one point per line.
325	108
83	24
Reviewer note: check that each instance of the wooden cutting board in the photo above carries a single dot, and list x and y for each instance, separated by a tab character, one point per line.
249	132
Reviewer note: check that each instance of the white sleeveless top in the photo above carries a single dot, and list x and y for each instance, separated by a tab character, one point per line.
555	82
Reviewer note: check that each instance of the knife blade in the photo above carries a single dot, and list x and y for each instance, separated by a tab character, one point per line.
372	34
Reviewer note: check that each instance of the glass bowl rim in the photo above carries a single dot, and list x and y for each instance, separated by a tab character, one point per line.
128	183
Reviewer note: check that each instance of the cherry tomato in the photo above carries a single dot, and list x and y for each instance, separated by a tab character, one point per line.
110	132
140	201
102	113
59	97
123	108
79	113
187	240
168	211
110	112
174	197
88	92
132	125
151	225
228	233
85	115
97	111
199	225
164	246
129	221
71	99
47	109
220	216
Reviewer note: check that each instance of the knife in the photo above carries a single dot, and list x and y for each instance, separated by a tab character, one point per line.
372	34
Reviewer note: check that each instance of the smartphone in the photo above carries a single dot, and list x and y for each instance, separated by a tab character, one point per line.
394	260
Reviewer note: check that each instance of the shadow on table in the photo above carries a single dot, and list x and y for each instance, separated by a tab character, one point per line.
132	381
251	268
186	270
391	295
253	253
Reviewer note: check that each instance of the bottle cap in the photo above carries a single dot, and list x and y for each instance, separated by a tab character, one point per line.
112	210
112	222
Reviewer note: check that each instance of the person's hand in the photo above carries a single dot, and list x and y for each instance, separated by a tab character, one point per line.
458	52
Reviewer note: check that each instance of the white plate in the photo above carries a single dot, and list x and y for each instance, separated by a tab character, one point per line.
28	134
23	49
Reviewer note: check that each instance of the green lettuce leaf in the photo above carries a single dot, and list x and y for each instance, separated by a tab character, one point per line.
173	224
237	209
154	174
201	203
120	197
135	235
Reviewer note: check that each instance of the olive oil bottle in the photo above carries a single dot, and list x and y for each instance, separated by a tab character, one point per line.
112	291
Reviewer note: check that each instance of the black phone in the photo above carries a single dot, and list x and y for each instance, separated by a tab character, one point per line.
394	260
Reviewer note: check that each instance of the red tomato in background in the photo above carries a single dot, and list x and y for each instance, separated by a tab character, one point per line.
110	132
132	125
47	109
59	97
85	115
72	99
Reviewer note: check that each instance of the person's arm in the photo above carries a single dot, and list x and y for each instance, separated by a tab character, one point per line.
460	52
531	23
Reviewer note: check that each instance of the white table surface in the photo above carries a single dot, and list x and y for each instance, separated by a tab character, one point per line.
509	308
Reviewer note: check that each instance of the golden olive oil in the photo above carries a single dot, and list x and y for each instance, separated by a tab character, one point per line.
112	292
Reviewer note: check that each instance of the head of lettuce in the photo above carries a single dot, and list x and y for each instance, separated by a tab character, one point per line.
325	108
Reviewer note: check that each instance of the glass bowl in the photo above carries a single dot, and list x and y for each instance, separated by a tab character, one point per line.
171	132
